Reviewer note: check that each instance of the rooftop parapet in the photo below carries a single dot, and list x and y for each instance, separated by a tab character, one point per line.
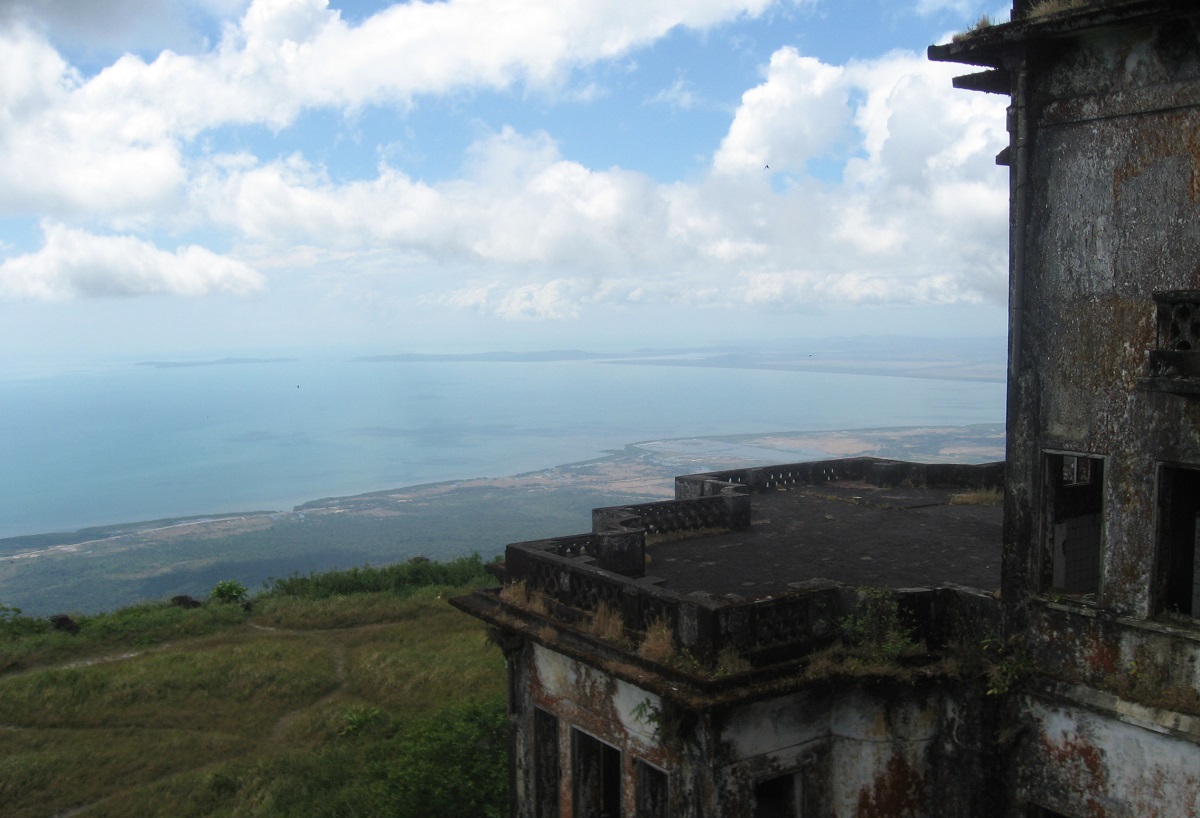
584	583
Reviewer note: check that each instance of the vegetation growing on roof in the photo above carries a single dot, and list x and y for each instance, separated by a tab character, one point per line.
1045	8
982	23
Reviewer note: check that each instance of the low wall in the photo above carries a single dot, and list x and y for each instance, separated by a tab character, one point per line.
873	470
764	631
729	509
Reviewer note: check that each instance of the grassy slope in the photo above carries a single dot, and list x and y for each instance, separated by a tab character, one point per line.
304	706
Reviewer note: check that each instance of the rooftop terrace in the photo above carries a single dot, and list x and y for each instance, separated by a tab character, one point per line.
761	561
848	531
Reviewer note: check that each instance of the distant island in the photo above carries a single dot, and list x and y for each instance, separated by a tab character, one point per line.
961	359
215	362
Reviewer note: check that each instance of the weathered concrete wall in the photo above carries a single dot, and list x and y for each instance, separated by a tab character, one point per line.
1144	661
615	712
1112	215
858	751
1079	762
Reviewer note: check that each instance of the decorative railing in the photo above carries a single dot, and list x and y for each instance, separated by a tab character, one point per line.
873	470
764	631
1174	365
729	510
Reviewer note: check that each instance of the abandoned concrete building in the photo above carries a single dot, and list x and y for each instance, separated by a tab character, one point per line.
838	639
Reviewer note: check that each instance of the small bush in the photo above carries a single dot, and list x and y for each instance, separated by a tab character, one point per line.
608	624
659	644
520	594
982	23
1048	7
878	629
14	626
229	591
729	662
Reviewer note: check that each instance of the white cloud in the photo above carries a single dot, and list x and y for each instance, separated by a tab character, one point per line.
74	263
797	114
918	217
680	95
113	142
552	300
917	214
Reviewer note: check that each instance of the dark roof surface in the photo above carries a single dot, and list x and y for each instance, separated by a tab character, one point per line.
848	532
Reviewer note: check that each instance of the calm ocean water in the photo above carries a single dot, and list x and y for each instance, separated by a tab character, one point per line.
130	443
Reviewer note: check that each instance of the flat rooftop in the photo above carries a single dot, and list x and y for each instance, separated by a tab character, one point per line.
848	532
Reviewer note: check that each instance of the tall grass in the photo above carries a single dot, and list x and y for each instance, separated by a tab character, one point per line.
315	702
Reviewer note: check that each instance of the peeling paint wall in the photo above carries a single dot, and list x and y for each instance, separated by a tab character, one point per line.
856	751
1084	764
1113	216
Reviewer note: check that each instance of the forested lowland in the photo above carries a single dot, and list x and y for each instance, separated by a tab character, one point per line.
107	567
337	694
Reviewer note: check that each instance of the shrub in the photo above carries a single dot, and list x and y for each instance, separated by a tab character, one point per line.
14	626
608	624
452	764
229	591
729	661
659	644
1048	7
520	594
878	629
402	579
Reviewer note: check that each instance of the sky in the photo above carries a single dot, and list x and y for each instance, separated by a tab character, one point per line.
199	178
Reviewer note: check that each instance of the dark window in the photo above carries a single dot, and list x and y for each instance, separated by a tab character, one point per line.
545	764
1174	364
1075	502
1179	522
596	770
779	797
651	790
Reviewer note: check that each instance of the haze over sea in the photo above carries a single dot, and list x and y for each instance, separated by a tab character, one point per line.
149	440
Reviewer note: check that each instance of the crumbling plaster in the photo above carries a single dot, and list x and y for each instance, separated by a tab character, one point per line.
1077	762
1108	224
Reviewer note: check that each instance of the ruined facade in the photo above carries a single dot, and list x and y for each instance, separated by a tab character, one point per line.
837	639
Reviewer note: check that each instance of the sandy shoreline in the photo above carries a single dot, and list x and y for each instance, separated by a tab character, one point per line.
646	469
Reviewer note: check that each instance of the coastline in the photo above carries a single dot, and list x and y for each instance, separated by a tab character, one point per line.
646	468
104	567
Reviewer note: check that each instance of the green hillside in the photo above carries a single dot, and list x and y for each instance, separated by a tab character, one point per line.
342	694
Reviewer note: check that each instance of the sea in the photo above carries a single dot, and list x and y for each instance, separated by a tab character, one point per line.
130	441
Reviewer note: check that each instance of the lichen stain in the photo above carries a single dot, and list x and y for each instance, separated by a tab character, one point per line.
1103	657
898	792
1171	135
1082	771
1095	340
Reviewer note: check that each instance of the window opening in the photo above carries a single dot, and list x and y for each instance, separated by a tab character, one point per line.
651	790
546	768
1179	516
780	797
596	771
1075	502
